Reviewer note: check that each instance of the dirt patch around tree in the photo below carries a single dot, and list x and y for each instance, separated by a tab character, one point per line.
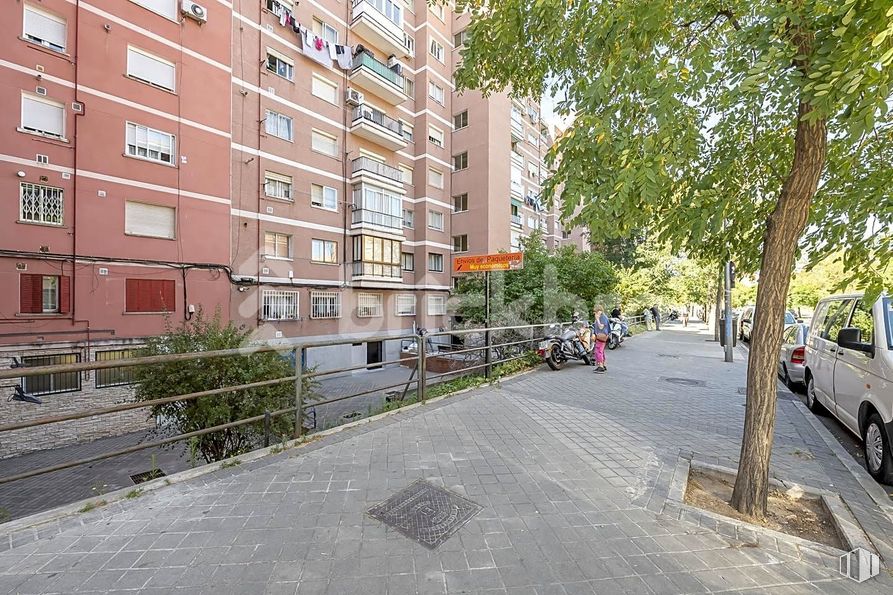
795	513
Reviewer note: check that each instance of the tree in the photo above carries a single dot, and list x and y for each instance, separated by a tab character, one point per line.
183	377
712	125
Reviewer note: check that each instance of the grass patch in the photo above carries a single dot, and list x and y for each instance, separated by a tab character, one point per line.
230	463
93	505
5	515
135	493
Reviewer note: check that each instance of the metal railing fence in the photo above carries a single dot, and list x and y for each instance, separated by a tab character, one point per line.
513	342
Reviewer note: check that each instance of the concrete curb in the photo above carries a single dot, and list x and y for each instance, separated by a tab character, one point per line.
51	522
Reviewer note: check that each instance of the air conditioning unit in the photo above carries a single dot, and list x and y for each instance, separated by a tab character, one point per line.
392	59
354	97
194	11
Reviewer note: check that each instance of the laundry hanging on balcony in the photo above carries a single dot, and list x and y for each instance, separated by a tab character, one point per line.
315	47
344	55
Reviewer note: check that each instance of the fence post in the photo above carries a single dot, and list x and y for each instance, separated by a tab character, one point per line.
266	429
422	364
487	355
299	392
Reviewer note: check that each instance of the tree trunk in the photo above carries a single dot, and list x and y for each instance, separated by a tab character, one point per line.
783	230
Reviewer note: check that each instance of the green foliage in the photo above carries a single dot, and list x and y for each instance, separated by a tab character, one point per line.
133	494
5	515
684	115
89	506
183	377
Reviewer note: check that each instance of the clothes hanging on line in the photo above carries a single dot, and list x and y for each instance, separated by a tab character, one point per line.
315	48
344	56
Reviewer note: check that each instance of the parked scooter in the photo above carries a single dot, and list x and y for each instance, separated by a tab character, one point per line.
618	332
563	343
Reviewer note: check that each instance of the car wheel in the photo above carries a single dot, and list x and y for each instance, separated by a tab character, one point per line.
876	448
811	401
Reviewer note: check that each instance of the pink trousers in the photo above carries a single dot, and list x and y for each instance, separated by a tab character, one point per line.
599	352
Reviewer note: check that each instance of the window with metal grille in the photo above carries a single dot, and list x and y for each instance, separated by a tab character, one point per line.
114	376
280	305
47	384
436	305
40	204
405	305
147	143
277	186
370	305
325	304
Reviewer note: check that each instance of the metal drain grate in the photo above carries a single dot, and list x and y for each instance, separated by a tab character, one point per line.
426	513
685	381
147	476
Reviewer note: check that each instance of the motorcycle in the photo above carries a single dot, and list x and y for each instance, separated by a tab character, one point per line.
618	332
565	343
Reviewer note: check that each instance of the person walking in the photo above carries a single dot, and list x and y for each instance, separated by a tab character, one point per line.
601	331
655	312
647	314
685	316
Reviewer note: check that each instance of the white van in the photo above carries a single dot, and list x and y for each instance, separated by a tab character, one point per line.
849	372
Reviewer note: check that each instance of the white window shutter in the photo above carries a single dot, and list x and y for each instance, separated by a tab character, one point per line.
149	220
151	69
44	27
43	116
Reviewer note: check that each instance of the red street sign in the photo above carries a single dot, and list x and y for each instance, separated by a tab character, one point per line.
511	261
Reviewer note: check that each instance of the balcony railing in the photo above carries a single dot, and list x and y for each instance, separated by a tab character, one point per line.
516	220
378	218
380	68
377	167
386	8
374	269
370	114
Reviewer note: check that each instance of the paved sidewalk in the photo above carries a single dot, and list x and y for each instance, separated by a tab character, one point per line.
571	470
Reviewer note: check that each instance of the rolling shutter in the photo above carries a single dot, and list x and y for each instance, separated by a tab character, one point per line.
43	27
149	220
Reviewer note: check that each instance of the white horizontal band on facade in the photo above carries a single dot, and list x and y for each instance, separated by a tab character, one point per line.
286	221
428	68
289	162
337	283
113	98
427	23
32	163
150	35
426	156
427	111
429	244
428	199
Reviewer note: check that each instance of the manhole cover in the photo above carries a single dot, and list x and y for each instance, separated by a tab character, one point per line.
147	475
425	513
685	381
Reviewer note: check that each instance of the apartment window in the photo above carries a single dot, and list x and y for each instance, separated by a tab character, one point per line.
325	251
114	376
435	178
370	305
279	304
530	222
435	91
150	144
151	69
435	262
280	65
409	87
407	131
325	30
272	4
43	294
436	50
377	257
325	304
460	243
152	221
277	245
150	295
406	174
438	11
279	125
532	170
407	261
531	138
435	220
565	234
460	161
166	8
43	116
324	197
435	136
436	305
405	305
460	120
277	186
47	384
44	29
460	203
40	204
324	143
324	89
460	38
408	218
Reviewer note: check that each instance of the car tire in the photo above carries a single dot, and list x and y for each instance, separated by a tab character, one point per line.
876	448
812	403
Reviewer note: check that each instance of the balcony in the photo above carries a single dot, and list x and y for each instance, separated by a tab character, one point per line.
378	210
517	158
380	22
516	220
378	127
377	218
365	169
378	79
517	129
377	271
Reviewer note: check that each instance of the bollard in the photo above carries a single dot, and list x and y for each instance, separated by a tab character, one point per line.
423	373
299	392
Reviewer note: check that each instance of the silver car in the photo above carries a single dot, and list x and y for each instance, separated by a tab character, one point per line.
792	358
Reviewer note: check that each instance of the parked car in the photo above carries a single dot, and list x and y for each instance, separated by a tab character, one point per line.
849	372
792	357
745	323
